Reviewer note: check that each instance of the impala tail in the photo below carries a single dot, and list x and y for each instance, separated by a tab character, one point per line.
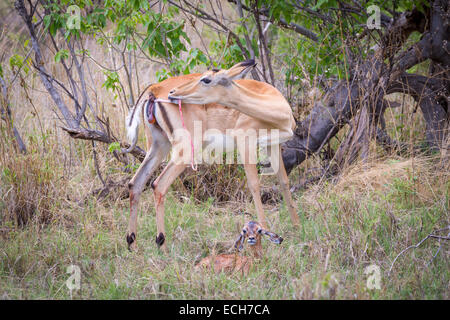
132	123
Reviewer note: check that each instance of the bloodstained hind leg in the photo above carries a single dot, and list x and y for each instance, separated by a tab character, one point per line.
161	185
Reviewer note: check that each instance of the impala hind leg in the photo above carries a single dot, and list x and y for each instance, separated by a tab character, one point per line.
153	159
285	189
160	187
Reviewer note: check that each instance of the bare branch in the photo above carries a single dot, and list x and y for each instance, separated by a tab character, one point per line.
282	23
6	115
85	134
27	18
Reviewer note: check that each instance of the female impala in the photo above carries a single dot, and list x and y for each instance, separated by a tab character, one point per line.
222	105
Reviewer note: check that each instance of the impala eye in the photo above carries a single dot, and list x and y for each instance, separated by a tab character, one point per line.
259	230
244	231
205	80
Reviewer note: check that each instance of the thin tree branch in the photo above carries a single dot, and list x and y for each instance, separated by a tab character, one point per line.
283	23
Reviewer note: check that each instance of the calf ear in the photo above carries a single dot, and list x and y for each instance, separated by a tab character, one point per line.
273	237
239	243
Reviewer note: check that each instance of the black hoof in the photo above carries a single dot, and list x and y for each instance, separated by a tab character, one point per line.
130	240
160	239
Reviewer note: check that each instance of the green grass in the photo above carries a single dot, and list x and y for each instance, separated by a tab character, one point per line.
342	232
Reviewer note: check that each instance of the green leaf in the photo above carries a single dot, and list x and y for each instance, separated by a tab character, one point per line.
47	21
115	146
61	54
112	80
319	4
17	61
161	75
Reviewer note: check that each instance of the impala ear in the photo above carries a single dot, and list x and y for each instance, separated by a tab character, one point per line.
273	236
239	243
240	70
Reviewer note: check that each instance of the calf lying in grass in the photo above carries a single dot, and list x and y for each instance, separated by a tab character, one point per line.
235	262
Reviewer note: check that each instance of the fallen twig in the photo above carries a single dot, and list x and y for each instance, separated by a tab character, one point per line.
431	235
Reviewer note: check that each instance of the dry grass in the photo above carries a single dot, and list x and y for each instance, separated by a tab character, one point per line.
30	184
345	227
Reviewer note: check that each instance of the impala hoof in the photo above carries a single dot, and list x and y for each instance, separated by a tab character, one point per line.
160	239
131	238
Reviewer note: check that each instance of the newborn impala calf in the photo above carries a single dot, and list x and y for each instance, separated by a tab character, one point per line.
252	231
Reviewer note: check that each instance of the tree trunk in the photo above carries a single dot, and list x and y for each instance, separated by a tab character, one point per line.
363	93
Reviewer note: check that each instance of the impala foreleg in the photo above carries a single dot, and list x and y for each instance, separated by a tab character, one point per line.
253	184
245	151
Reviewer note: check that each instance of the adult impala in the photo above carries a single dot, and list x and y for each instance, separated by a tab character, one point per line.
222	104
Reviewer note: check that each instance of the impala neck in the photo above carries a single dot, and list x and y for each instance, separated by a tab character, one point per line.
249	102
256	250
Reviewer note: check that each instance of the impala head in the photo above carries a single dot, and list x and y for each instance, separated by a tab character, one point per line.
211	85
252	231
